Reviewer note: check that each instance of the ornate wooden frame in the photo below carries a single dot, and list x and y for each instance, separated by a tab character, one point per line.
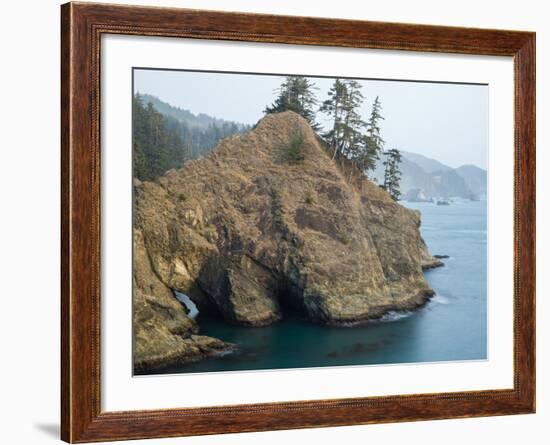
82	25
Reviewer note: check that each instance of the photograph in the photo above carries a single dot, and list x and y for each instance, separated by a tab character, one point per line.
285	221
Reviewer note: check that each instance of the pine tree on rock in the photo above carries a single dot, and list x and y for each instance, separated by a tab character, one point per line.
296	93
392	174
353	124
342	106
333	107
373	144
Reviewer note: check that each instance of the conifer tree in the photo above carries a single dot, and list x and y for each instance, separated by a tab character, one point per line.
296	93
373	144
333	107
156	148
342	106
392	174
353	124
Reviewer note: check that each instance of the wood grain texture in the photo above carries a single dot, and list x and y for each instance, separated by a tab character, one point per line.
81	28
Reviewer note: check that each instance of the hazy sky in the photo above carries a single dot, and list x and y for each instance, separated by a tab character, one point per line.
447	122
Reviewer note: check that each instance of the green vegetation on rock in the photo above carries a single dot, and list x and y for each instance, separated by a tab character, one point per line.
295	150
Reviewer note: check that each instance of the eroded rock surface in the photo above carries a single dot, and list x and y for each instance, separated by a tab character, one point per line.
163	333
245	232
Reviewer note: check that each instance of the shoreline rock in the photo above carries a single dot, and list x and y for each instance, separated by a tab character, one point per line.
192	349
432	264
413	305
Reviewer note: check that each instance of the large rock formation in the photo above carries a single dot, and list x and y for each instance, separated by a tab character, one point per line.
252	228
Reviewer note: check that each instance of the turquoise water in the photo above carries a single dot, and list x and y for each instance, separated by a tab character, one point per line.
452	326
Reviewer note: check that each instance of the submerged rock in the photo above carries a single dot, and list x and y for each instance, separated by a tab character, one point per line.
244	232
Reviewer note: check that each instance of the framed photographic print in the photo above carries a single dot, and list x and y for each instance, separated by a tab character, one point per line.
274	222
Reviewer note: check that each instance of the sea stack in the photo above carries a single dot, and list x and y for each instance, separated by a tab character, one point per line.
247	231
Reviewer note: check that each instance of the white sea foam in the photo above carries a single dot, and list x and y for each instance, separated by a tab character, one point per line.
395	315
188	303
440	299
225	352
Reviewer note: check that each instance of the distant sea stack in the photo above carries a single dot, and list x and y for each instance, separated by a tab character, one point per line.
253	230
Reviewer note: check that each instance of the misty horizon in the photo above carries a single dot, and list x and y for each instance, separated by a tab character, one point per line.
409	108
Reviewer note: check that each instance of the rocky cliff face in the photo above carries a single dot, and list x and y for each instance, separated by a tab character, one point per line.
163	334
245	232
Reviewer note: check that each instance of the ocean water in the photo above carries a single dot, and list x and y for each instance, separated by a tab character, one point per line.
451	327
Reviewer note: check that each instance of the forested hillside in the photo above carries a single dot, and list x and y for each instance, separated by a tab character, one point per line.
164	137
181	114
